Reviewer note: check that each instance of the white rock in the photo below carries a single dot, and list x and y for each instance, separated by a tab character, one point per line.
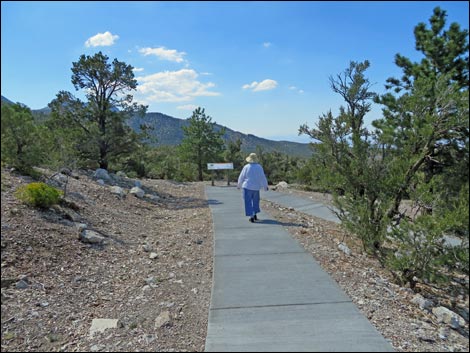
102	174
90	236
448	316
423	303
100	325
117	190
137	192
344	248
162	320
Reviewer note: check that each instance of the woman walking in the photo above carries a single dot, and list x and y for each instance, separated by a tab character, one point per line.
252	180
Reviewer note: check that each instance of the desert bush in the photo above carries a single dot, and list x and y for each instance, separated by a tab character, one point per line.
38	194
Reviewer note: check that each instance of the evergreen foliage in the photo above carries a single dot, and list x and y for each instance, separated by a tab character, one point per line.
347	161
21	145
279	166
201	143
426	122
418	153
96	129
233	154
164	163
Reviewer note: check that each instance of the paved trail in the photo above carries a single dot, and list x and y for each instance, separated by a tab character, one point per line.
269	294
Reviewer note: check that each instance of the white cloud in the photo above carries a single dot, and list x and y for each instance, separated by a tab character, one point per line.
190	107
267	44
164	54
264	85
105	39
173	86
138	69
251	85
293	88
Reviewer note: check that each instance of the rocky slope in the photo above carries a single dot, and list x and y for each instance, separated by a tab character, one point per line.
151	276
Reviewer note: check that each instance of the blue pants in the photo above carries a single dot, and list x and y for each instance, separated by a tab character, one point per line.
251	198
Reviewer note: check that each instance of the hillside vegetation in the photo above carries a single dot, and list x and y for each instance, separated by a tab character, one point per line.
168	131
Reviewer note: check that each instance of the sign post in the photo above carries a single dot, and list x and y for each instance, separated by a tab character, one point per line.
219	166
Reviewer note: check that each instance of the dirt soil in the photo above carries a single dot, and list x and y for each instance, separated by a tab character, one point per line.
153	274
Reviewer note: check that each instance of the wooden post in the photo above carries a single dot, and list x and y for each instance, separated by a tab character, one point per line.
218	166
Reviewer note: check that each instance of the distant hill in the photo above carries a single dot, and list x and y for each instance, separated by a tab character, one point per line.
168	131
6	101
36	112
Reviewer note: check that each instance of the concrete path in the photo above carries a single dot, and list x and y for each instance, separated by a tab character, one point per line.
318	209
310	207
269	294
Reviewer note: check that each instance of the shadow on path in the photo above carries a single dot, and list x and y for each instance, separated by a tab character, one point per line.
214	202
274	222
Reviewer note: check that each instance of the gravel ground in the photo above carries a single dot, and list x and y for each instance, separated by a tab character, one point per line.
153	274
392	309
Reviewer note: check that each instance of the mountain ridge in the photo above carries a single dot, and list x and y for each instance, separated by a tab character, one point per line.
168	130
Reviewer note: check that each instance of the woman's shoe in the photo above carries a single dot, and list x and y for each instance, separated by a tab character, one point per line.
252	220
255	218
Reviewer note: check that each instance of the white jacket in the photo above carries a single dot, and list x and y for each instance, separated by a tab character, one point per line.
252	177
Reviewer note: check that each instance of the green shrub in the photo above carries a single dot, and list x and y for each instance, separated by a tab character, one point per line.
38	194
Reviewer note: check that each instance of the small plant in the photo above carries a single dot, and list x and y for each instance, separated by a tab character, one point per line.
38	194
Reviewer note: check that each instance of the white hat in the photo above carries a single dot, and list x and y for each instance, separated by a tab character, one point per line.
252	158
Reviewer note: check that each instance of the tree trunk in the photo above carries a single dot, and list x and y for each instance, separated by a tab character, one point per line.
103	157
199	170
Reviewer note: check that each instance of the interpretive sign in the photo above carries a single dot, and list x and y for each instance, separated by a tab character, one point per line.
218	166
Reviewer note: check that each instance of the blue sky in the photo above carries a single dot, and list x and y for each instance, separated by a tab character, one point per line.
261	68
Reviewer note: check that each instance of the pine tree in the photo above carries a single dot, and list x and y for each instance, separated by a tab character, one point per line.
201	143
425	132
418	151
21	145
428	121
99	123
347	161
233	154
